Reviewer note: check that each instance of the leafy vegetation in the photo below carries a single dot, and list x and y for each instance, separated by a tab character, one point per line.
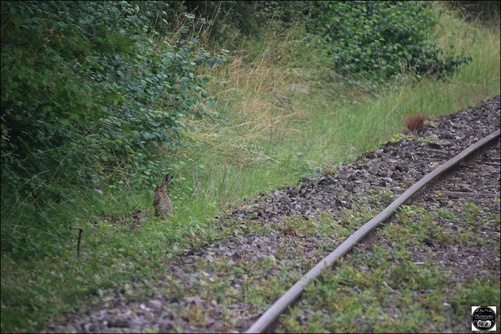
93	94
93	102
379	41
92	88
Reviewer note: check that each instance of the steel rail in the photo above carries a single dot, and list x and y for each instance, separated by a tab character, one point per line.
270	317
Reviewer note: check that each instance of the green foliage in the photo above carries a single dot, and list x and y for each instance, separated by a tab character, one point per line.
92	92
73	78
380	40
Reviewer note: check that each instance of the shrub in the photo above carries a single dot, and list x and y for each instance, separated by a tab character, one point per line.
379	40
485	11
86	78
92	92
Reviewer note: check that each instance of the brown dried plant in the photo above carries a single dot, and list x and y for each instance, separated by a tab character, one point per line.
415	121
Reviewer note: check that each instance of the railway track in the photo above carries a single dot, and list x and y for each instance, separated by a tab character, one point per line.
269	319
229	285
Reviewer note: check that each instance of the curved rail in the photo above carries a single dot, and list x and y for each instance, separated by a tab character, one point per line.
270	317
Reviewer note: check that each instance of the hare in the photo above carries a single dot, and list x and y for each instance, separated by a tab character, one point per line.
161	201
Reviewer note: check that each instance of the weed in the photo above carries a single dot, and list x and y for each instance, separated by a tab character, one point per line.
386	290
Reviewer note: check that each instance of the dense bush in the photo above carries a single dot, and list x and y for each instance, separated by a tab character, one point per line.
379	40
92	92
87	89
365	40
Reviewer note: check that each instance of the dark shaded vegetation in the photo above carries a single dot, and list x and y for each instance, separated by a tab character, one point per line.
483	11
95	76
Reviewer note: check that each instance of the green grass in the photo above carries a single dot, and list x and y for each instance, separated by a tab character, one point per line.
282	122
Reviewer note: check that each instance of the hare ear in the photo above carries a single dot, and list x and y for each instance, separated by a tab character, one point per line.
167	179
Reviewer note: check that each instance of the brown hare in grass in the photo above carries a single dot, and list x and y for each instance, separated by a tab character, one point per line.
161	201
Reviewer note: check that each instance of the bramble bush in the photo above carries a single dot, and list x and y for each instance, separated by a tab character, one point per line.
380	40
366	41
90	92
85	76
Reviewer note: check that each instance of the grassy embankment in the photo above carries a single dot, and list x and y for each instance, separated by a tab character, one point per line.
283	120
